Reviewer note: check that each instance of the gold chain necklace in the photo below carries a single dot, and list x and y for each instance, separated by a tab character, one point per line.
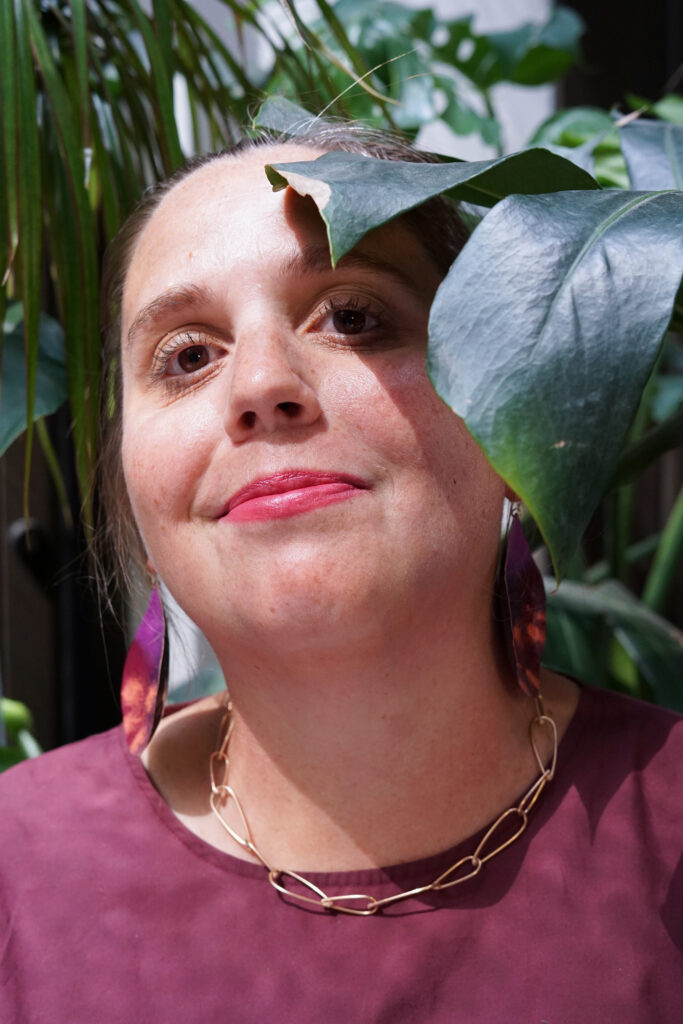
463	869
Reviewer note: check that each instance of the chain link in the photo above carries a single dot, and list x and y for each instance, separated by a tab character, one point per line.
463	870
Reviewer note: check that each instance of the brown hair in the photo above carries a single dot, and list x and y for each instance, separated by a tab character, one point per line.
117	545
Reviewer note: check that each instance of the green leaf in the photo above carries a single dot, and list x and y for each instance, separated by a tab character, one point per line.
51	381
653	151
8	105
544	333
670	108
161	77
278	114
587	136
9	756
654	644
355	194
572	127
79	255
78	16
30	215
666	560
635	459
534	54
15	715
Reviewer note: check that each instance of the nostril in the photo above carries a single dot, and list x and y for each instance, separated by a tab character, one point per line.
248	418
290	409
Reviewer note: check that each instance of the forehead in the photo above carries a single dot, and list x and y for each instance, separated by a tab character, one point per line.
225	217
222	196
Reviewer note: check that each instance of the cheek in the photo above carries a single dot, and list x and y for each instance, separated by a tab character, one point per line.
164	456
406	424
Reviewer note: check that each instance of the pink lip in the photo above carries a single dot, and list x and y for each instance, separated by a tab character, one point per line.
289	493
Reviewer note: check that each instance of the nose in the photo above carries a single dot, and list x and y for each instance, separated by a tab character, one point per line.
271	386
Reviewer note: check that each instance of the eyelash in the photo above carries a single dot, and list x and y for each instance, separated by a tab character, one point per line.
173	347
188	340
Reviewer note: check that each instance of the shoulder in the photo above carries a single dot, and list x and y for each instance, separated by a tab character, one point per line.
48	797
629	729
625	762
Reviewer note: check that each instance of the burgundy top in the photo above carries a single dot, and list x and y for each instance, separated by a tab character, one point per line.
111	911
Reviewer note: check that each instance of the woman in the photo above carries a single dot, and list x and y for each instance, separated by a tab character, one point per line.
333	530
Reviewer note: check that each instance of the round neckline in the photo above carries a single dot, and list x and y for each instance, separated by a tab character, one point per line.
391	876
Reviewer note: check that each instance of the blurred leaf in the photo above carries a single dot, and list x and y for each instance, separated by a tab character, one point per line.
587	136
635	459
528	55
9	756
666	561
518	333
30	214
463	118
653	151
668	397
655	646
279	114
355	194
669	108
15	715
575	644
572	127
534	54
51	380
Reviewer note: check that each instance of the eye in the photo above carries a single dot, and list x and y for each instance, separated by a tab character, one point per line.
189	359
351	321
347	317
185	355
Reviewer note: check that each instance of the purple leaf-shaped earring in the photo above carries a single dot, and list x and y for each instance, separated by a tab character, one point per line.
524	607
145	677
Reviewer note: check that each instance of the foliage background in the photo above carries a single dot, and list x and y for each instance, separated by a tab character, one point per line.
89	95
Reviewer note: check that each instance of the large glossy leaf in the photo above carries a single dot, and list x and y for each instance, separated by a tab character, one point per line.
51	384
655	646
543	334
653	151
355	194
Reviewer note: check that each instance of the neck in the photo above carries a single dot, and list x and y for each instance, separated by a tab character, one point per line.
387	753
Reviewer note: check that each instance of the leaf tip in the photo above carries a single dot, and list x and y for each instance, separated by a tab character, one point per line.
277	181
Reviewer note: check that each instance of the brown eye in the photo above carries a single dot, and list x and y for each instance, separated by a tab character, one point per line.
193	358
349	321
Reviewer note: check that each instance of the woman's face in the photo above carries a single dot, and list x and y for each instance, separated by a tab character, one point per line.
289	465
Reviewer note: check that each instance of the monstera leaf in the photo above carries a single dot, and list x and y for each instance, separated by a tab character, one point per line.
544	332
543	335
653	151
355	194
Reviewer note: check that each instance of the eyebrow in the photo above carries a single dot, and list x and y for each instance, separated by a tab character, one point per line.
315	259
186	297
311	260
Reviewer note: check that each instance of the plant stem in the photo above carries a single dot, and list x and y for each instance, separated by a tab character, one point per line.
55	471
666	559
492	114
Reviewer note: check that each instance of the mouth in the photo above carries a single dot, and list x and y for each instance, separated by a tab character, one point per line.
290	493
